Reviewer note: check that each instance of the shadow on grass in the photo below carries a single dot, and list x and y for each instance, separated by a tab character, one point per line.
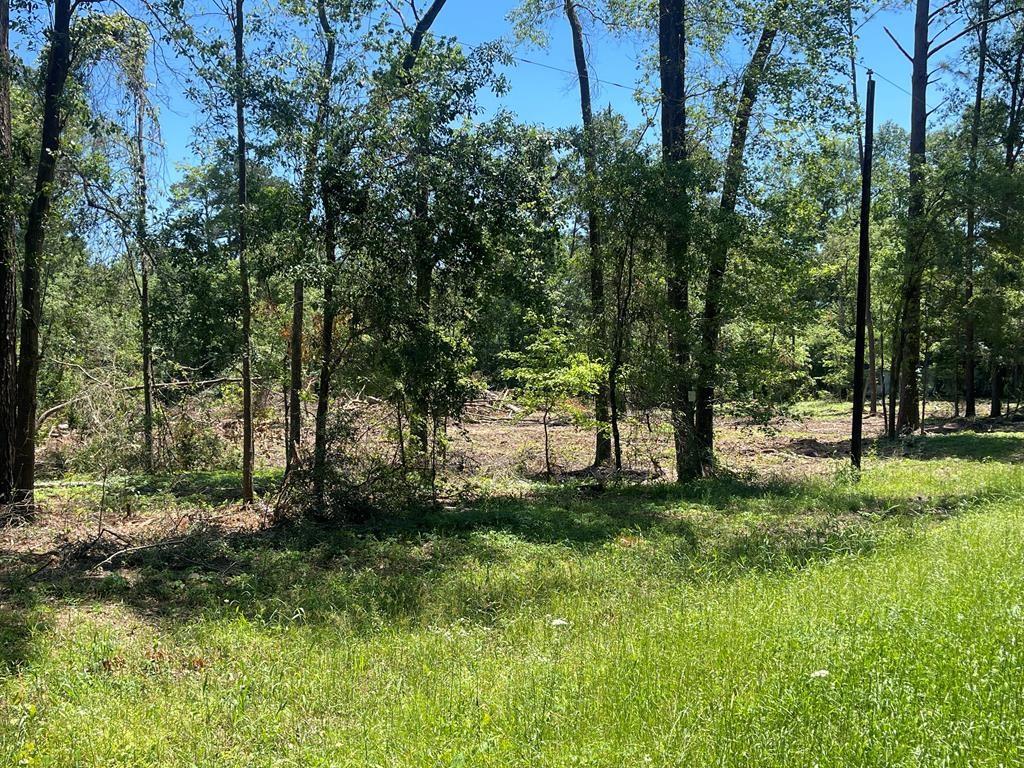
212	488
976	446
479	562
16	631
983	440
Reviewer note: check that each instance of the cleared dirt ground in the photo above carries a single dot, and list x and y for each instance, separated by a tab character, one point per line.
495	450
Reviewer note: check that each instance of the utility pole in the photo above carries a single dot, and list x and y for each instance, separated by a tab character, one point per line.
863	275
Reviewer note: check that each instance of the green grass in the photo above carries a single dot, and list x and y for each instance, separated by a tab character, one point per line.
820	409
649	626
146	492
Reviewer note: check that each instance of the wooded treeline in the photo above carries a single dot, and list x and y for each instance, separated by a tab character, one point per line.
360	223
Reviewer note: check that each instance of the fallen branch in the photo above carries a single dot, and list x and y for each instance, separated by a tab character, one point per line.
129	550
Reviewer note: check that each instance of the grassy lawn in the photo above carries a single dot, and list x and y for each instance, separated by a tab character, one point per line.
739	621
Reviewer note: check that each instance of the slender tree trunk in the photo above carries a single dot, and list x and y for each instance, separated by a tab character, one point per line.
309	171
145	264
58	63
924	391
894	366
603	444
243	257
547	445
419	419
914	256
881	366
956	384
293	392
672	54
624	274
323	393
8	259
753	76
970	351
998	372
872	365
423	258
613	400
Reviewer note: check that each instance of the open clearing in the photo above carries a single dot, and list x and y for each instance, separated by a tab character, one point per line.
781	614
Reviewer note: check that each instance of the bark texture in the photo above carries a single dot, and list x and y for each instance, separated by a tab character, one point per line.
8	259
58	64
603	442
753	77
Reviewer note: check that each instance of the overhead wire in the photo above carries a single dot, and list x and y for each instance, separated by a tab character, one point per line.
1006	210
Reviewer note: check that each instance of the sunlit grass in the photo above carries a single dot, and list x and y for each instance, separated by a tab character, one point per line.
820	409
732	622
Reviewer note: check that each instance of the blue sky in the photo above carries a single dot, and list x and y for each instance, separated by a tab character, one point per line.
543	95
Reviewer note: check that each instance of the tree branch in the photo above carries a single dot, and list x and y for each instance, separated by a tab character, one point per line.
422	27
902	49
971	28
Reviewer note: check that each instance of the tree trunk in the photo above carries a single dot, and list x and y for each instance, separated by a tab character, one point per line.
881	367
624	274
894	365
58	63
613	400
707	362
675	154
423	266
914	255
293	395
294	438
419	419
243	258
970	351
547	445
872	365
323	392
956	384
997	390
8	259
603	444
145	264
924	391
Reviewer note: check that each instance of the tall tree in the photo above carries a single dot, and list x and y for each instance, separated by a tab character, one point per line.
328	196
136	71
753	77
8	259
308	184
238	24
1010	64
907	347
424	259
672	44
330	236
58	65
970	347
603	445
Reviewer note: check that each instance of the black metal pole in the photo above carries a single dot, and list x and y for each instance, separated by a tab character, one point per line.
863	276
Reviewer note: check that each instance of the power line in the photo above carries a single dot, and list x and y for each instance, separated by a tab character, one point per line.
570	72
1007	210
522	59
880	76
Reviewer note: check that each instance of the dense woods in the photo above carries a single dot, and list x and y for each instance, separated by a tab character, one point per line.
362	245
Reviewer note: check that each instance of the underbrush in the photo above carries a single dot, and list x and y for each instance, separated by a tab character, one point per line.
742	620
